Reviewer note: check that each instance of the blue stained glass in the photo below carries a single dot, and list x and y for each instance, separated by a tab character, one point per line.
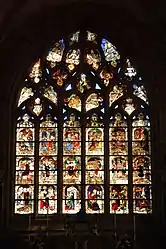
98	87
62	44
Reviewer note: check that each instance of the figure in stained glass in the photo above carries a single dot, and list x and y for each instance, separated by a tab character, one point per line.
72	167
83	84
142	192
110	52
141	170
73	58
95	144
118	121
48	137
25	137
141	120
72	202
74	37
60	75
118	133
48	170
94	195
25	94
94	170
118	136
93	101
140	92
24	170
118	170
56	53
23	199
93	58
142	206
36	72
50	94
91	36
72	136
74	102
47	196
118	196
115	94
106	74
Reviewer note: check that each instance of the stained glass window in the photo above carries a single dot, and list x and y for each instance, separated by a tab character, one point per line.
83	135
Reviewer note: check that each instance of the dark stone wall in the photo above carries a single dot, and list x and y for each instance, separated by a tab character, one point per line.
141	41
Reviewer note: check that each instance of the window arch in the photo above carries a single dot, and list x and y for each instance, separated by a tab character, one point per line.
83	132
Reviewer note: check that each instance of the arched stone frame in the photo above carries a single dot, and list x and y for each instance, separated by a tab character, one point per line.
128	78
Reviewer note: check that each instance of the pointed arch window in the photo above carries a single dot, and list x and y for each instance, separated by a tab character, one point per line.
83	132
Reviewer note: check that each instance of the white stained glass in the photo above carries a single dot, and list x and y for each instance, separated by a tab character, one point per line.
37	108
51	94
36	72
25	94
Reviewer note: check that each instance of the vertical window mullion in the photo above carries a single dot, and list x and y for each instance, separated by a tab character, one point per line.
83	172
106	157
60	153
130	170
36	166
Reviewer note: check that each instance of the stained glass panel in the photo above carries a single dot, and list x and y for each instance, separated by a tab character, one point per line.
129	105
48	136
50	94
94	199
94	138
83	83
118	170
73	58
56	53
142	206
37	106
119	199
72	136
130	70
24	175
118	136
110	52
91	36
140	92
74	37
24	170
106	75
60	75
115	94
141	170
72	198
47	203
25	94
24	199
72	170
36	72
93	58
48	170
142	193
94	170
94	100
74	102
